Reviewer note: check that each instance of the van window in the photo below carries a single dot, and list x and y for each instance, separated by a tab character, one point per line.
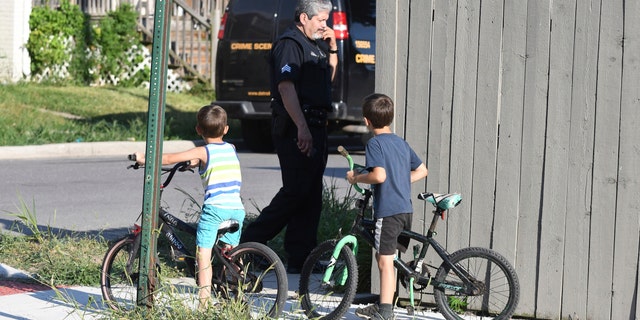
363	12
252	20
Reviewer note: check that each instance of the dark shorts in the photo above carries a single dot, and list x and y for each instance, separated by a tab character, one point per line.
387	234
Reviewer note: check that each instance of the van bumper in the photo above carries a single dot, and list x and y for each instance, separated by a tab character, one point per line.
262	110
245	109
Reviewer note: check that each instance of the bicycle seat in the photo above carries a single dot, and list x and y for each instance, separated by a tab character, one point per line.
228	226
444	201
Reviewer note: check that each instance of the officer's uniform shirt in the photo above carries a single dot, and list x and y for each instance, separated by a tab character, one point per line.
304	62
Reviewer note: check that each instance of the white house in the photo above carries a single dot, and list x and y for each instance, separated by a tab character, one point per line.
14	31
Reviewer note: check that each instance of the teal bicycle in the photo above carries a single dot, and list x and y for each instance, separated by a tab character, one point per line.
472	280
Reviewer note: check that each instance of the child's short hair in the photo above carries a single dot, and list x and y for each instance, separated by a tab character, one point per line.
212	120
378	109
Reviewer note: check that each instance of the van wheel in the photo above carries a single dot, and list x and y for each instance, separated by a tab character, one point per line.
257	134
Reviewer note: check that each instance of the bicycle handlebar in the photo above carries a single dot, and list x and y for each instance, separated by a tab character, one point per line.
180	166
346	154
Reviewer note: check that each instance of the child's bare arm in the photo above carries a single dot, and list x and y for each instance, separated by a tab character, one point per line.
419	173
375	176
195	155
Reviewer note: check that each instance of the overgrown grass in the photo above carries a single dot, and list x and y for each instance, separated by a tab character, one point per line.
42	114
54	259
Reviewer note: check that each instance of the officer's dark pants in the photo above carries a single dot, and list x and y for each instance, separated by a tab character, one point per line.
298	204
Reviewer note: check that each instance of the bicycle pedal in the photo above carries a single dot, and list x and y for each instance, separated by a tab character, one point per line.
177	256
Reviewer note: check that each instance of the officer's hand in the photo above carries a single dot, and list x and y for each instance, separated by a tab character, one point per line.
330	37
305	141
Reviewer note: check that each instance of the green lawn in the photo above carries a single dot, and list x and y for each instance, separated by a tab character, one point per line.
41	114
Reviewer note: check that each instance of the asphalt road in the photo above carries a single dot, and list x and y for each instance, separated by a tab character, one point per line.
98	194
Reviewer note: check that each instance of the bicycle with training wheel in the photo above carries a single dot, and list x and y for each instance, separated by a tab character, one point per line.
471	280
251	271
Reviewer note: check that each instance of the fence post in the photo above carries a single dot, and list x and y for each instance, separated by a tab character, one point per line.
153	156
216	16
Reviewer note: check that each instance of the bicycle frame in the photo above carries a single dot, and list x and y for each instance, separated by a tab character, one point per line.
364	227
171	223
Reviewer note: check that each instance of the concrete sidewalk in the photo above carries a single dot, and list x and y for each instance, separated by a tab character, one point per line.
82	302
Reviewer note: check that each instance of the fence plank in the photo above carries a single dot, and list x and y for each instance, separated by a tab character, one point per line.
418	87
441	74
392	55
629	186
416	111
510	129
486	125
576	267
552	240
440	103
464	104
605	166
535	96
627	233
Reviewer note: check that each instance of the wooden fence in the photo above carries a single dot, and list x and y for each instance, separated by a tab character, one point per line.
530	109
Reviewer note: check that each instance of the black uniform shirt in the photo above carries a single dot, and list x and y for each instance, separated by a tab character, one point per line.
304	62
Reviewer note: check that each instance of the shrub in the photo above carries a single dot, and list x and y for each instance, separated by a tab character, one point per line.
57	44
118	48
64	47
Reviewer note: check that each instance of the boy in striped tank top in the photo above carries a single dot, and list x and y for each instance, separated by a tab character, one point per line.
219	170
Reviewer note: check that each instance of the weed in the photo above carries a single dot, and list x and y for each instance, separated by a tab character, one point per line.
27	217
458	305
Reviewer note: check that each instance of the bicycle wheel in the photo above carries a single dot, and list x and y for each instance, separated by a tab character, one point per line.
119	274
262	287
497	291
332	299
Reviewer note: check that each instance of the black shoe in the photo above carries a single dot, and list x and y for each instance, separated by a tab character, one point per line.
372	312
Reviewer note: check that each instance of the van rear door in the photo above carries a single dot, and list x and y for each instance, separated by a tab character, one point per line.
243	53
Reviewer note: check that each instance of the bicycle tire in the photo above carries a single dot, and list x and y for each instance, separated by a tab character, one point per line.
265	297
332	300
498	301
119	274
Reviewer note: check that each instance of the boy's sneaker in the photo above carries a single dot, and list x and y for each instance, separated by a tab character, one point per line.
372	312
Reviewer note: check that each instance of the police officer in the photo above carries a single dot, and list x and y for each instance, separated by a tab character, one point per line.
303	63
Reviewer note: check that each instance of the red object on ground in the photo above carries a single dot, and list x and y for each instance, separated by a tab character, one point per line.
8	287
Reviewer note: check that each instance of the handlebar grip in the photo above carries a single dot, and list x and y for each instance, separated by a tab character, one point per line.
345	154
132	157
343	151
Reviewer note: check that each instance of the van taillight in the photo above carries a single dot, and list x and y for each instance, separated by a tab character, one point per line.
223	21
340	25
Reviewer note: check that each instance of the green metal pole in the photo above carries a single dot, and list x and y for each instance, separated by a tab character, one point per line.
153	156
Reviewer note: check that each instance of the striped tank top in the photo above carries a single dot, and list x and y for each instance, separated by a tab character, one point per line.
221	177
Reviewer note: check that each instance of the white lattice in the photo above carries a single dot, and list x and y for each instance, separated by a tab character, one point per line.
174	81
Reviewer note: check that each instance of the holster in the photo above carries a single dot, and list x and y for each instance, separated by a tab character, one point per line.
316	117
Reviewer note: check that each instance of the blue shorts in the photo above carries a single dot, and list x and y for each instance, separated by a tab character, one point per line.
209	223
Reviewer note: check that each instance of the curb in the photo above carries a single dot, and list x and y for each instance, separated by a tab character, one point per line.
80	149
7	272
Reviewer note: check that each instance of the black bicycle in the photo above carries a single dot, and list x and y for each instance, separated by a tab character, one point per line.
476	280
251	272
